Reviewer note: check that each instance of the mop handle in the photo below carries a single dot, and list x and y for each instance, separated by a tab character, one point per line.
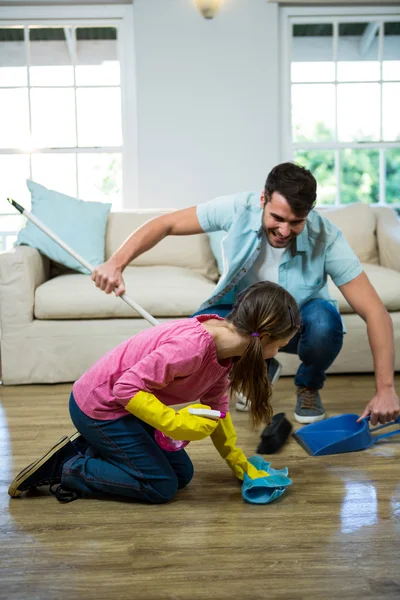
79	258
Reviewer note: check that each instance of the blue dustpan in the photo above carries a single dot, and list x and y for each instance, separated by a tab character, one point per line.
340	434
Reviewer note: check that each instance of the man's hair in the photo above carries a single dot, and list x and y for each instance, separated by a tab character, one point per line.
264	308
296	184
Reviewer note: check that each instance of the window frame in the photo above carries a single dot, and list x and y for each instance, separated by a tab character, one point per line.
293	15
119	16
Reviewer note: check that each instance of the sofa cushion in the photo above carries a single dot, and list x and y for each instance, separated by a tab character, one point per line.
385	281
162	291
81	225
187	251
358	224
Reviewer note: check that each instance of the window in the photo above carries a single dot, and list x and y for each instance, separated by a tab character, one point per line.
62	97
342	89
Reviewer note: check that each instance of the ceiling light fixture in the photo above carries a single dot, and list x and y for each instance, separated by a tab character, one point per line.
208	8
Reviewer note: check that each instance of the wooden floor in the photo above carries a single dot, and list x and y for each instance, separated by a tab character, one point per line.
335	534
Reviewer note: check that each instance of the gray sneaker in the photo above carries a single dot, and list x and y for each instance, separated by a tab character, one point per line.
273	372
309	407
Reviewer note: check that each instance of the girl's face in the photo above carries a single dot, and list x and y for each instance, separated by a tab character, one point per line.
271	349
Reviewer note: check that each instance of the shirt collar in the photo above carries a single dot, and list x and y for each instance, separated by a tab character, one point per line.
302	242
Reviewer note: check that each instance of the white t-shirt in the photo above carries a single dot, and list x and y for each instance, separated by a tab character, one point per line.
266	265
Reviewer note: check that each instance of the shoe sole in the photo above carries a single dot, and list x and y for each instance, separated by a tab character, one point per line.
241	407
13	490
308	420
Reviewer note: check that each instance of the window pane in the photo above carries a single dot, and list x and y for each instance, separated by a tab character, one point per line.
13	71
321	163
317	71
390	111
391	52
51	62
11	223
99	117
9	227
100	178
10	241
313	112
393	176
53	118
358	112
14	169
359	176
358	52
97	58
312	53
14	121
55	171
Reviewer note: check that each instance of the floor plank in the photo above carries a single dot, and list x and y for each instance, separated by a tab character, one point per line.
335	534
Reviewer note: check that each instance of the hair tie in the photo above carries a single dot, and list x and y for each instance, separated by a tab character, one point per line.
255	335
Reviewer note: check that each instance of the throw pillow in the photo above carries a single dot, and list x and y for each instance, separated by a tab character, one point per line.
81	225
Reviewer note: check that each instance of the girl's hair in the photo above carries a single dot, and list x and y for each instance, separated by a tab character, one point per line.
264	308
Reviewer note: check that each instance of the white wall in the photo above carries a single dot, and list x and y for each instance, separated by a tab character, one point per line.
208	99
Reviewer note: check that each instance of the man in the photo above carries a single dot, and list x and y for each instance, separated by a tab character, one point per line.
282	239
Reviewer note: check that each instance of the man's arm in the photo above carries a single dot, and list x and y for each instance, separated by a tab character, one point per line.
364	300
108	276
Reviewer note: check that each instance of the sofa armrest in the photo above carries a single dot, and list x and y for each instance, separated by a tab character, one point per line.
22	270
388	237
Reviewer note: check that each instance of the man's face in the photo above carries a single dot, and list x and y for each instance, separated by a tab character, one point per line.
279	223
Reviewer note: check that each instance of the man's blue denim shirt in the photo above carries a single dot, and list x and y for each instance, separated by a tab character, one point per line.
320	250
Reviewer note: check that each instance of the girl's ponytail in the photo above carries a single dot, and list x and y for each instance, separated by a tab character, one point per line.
265	308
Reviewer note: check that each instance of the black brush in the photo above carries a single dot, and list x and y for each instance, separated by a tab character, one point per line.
274	435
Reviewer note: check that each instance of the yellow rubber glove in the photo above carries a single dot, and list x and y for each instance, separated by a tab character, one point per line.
224	439
179	425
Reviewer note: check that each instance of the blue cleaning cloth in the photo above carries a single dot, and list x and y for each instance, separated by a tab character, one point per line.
264	490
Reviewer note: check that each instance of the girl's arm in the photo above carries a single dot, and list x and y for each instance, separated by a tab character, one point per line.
176	358
179	425
136	389
224	439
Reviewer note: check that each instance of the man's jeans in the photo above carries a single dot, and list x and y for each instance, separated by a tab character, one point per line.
317	344
121	458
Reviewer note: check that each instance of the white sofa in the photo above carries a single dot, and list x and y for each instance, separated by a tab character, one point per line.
54	327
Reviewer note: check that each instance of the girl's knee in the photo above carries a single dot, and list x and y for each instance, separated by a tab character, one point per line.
186	477
163	490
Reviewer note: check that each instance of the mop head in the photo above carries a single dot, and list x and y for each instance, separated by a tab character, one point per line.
264	490
274	435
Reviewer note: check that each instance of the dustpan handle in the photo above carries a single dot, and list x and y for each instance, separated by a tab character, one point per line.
79	258
385	435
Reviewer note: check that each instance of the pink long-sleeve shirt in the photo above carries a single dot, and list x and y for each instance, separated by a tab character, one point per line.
176	361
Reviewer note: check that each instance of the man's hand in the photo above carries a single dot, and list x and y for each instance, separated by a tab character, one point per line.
108	277
383	408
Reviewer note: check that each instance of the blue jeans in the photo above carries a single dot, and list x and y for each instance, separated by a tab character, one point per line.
121	458
317	344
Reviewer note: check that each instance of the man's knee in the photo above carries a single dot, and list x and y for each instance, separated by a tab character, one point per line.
322	321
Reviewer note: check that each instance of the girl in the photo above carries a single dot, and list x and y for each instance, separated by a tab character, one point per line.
122	399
